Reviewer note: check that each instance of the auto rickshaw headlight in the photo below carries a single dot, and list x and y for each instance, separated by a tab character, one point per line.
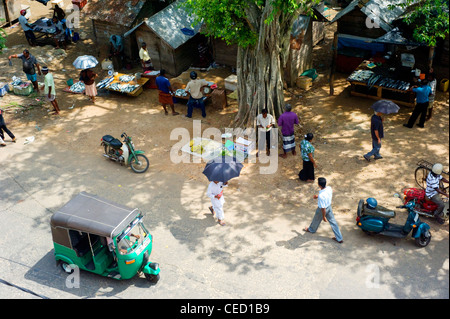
129	262
154	266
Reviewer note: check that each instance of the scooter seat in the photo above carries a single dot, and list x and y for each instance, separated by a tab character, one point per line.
107	138
380	211
114	142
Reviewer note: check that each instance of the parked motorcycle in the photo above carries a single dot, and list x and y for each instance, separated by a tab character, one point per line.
423	206
374	219
124	153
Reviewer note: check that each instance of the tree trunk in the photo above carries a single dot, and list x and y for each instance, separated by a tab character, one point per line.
259	69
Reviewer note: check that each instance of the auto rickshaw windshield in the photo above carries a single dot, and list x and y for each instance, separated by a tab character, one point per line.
132	237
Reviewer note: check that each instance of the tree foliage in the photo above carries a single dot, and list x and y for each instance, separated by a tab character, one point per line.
261	29
236	21
2	39
430	19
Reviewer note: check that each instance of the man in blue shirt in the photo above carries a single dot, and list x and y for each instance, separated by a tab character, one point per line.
165	92
422	101
27	28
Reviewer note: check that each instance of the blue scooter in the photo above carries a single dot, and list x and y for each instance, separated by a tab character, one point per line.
374	219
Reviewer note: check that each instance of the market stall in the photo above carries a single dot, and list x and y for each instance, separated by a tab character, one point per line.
44	28
127	84
209	149
379	80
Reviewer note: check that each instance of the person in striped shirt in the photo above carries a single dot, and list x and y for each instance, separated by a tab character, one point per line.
433	191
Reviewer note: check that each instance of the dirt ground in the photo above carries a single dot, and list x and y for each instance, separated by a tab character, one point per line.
340	123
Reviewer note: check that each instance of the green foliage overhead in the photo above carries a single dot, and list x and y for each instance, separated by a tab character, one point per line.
2	38
430	19
228	20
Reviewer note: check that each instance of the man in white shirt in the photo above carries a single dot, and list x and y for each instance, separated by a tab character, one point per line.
433	191
194	87
29	34
215	193
50	90
146	61
324	211
265	122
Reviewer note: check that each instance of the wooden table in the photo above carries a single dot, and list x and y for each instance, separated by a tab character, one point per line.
376	92
151	84
136	92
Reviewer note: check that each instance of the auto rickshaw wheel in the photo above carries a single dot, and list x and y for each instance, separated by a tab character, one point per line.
152	278
66	267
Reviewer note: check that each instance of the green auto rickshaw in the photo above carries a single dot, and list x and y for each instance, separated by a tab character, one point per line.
106	238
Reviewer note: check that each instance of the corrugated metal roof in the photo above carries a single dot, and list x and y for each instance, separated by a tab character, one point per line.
376	9
168	24
122	12
300	25
352	5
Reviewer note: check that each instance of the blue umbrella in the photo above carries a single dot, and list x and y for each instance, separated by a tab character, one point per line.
222	169
385	107
85	62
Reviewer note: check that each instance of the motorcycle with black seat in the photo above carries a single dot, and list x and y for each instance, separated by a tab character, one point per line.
124	153
374	219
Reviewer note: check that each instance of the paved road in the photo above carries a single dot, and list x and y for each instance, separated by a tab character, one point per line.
255	256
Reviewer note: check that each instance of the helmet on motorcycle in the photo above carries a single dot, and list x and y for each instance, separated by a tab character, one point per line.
371	203
437	168
193	75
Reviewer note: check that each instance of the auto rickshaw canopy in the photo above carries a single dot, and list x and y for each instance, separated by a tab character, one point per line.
92	214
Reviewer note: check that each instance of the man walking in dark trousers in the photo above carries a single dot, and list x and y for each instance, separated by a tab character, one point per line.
3	128
376	131
422	100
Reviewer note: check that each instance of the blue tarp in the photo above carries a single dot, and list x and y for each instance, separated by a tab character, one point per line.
43	1
361	43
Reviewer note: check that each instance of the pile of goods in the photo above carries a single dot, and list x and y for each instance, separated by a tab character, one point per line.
16	81
104	83
123	88
78	87
371	79
198	148
181	93
126	78
360	76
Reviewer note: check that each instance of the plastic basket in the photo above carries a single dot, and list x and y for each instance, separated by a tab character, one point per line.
23	90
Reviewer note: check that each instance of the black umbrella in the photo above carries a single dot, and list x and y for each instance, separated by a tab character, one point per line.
385	107
222	169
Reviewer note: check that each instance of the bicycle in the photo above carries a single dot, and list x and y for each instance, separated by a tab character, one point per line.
421	173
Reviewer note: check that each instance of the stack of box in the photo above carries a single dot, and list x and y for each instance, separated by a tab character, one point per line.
243	147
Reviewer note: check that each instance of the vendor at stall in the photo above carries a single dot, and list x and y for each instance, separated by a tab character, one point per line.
59	14
194	87
165	92
60	35
28	63
27	28
146	61
116	51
